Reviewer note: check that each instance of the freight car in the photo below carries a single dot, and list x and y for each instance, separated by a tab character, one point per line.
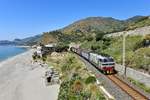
105	64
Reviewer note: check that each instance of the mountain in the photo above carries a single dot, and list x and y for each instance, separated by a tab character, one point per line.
83	29
89	27
26	41
135	19
137	22
106	24
91	24
6	42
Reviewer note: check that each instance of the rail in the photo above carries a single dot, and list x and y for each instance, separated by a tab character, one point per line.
128	89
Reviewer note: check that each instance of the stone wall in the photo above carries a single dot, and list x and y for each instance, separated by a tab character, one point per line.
139	76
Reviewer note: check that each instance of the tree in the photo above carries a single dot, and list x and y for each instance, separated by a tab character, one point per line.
99	35
61	47
90	79
89	38
146	41
77	86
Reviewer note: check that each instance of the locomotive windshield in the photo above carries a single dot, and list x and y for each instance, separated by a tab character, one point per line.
110	60
108	64
106	60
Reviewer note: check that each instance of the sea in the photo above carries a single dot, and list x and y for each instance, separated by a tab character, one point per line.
10	51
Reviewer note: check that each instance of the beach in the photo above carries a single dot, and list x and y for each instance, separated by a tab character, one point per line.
23	80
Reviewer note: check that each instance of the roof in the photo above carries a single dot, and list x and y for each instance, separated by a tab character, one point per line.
101	57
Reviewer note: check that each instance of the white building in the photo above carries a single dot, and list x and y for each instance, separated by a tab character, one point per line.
39	51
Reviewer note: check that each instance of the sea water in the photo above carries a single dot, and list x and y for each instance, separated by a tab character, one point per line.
10	51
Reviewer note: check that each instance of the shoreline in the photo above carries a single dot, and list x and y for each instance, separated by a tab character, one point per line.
23	46
14	56
20	78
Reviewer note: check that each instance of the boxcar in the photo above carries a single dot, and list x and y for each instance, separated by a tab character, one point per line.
93	58
103	63
85	54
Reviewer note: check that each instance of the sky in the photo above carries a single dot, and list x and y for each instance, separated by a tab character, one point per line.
25	18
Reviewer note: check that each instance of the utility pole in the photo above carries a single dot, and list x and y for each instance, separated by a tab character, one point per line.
123	55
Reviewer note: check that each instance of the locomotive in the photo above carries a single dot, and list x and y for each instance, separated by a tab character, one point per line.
105	64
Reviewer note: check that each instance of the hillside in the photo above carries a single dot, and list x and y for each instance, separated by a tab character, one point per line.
106	24
26	41
89	32
84	29
137	22
6	42
92	24
88	28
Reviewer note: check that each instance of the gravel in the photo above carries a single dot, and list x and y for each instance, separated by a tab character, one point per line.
112	88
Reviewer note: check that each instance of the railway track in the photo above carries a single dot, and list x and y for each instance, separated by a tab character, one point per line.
134	94
125	87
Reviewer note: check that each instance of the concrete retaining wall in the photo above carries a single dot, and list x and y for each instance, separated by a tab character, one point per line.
139	76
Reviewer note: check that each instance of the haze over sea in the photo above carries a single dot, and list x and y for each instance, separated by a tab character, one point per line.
10	51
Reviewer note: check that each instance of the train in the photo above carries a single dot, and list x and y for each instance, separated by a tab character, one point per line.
105	64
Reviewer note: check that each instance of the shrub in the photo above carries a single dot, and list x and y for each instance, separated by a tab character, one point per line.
61	47
95	47
77	86
147	37
34	57
75	76
89	38
99	35
44	58
64	90
90	79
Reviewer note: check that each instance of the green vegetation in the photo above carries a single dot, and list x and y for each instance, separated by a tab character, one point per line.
90	79
47	38
95	27
91	28
58	36
36	57
90	33
115	47
137	56
44	58
99	36
147	37
140	85
60	47
77	84
140	22
84	29
91	24
141	59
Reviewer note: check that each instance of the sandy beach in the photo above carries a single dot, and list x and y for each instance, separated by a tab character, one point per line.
23	80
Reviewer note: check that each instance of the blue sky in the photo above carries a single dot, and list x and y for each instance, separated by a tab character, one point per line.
24	18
